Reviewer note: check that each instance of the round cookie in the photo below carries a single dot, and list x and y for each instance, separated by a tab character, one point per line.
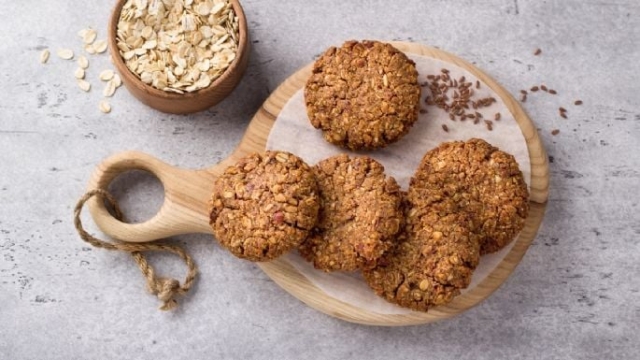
363	95
359	214
434	259
484	181
264	205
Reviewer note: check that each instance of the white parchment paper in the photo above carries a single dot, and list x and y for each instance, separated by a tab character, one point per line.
293	132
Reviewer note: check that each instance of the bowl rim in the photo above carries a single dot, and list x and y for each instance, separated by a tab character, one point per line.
129	77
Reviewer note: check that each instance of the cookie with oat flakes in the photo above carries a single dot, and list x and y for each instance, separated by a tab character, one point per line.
264	205
363	95
484	181
359	214
433	260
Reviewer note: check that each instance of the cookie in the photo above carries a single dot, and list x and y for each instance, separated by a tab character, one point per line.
264	205
484	181
363	95
359	214
465	199
433	260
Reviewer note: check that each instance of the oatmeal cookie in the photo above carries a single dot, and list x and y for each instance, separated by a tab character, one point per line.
484	181
363	95
433	260
359	214
264	205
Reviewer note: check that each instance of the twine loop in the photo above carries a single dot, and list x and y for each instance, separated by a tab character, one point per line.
166	289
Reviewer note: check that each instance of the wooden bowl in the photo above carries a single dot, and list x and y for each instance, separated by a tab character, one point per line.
188	102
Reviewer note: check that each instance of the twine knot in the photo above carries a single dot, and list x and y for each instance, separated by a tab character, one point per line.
166	290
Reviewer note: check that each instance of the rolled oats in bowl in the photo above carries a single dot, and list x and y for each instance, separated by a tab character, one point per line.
177	46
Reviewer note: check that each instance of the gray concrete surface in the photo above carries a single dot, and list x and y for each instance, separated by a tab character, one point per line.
575	295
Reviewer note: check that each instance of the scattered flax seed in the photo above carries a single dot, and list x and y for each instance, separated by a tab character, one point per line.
543	88
44	56
423	111
104	106
578	102
552	92
563	115
477	84
489	124
65	54
534	89
555	132
456	96
497	117
524	92
537	52
445	128
523	98
563	110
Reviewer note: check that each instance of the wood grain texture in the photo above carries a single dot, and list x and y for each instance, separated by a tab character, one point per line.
187	193
188	102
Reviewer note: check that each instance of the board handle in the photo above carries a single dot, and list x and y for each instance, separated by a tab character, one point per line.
186	195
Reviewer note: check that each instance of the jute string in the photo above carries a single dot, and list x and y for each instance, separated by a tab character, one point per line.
165	289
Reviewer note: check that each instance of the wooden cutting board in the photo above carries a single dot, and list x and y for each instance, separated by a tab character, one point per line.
187	192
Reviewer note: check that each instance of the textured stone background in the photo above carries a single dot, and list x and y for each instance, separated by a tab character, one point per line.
574	295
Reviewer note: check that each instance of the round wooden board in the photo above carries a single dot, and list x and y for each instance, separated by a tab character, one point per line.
299	286
187	192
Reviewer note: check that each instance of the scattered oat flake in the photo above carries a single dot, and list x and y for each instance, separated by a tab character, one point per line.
66	54
100	46
109	89
82	33
83	62
89	36
537	52
106	75
84	85
79	73
578	102
89	49
117	81
44	56
555	132
105	107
